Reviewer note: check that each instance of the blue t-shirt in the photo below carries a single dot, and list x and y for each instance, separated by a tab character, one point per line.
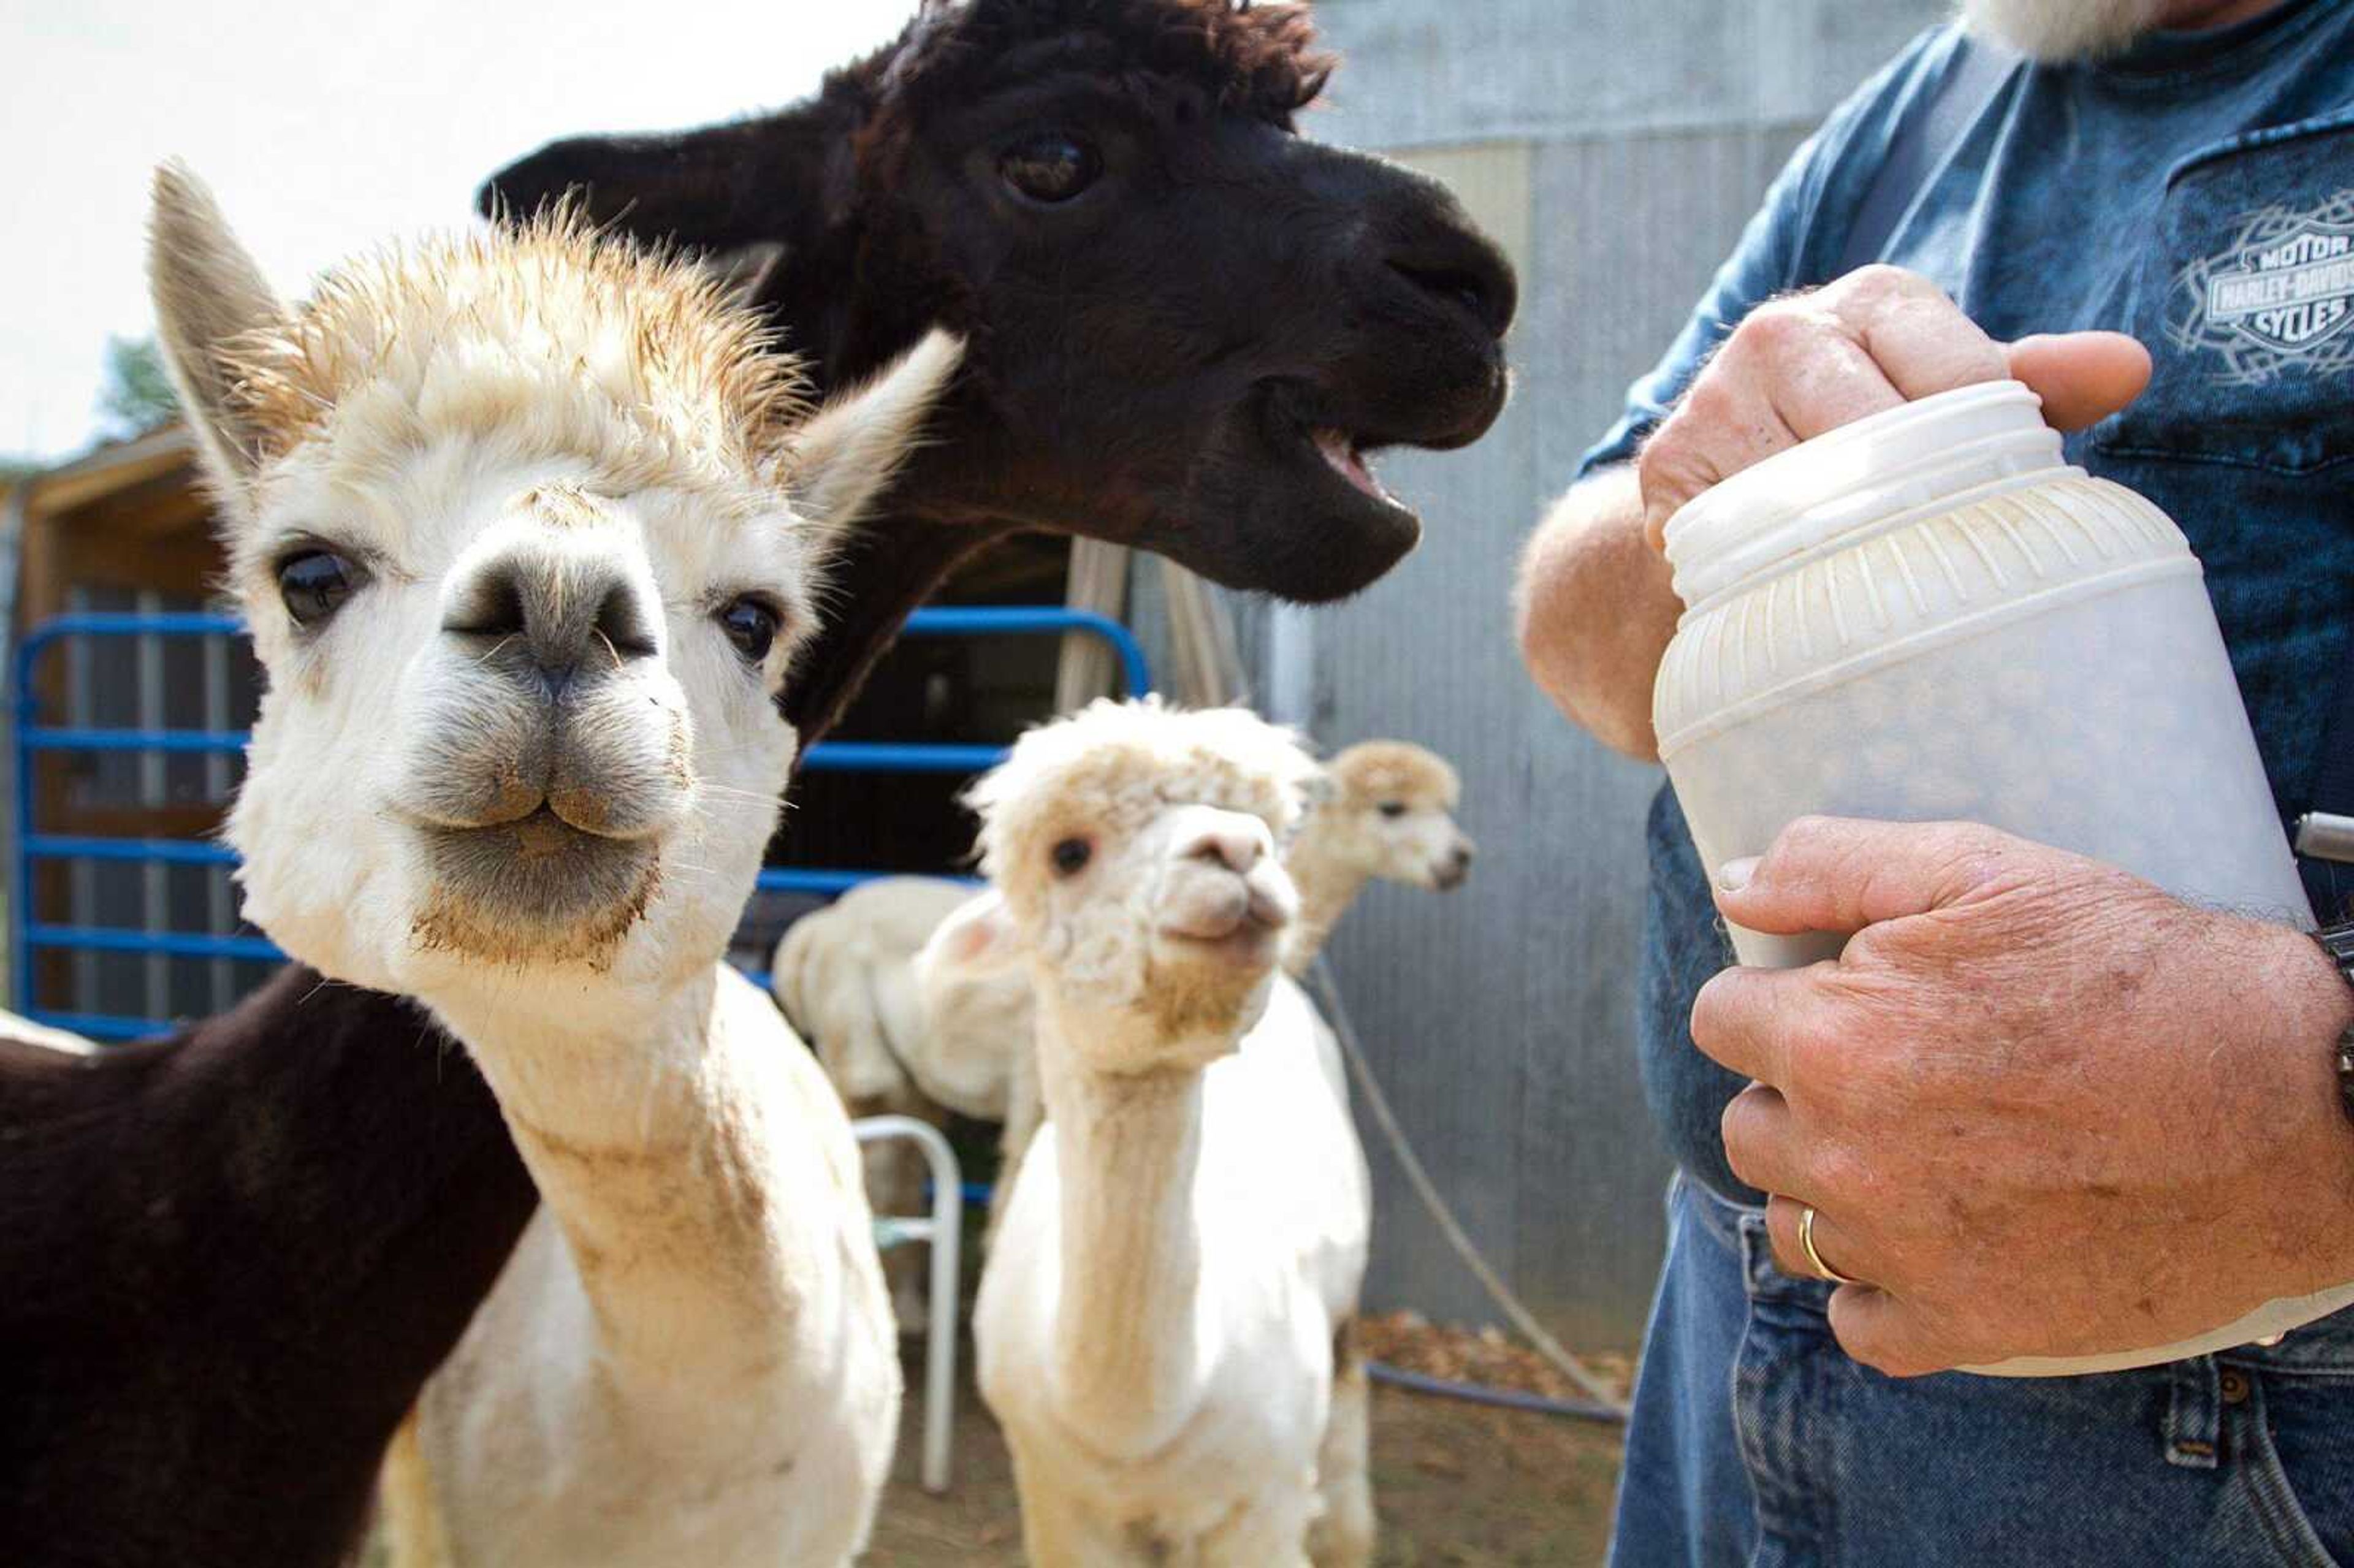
2197	192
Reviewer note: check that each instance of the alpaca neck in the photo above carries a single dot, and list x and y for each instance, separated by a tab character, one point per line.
641	1118
1128	1147
1329	883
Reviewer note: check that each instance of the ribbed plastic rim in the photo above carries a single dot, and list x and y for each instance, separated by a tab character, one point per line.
1843	482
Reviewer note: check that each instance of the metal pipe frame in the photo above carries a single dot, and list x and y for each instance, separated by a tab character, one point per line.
26	935
945	1231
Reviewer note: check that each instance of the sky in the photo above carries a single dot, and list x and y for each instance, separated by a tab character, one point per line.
324	127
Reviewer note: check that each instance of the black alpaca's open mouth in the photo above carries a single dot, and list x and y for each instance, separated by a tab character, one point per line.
1327	431
1348	456
1282	499
1335	452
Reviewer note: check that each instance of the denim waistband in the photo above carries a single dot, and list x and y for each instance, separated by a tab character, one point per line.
2322	1347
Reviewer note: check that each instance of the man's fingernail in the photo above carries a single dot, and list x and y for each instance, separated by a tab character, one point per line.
1734	874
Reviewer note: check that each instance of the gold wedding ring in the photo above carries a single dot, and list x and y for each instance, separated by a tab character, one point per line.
1814	1258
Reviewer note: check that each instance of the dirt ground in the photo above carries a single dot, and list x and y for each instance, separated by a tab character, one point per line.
1456	1486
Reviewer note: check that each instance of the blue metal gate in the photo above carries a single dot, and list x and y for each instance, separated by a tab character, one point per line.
29	737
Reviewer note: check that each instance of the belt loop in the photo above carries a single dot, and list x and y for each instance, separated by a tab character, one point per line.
1766	1279
1758	1273
2194	1416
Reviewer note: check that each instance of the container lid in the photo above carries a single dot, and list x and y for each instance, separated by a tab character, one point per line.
1842	483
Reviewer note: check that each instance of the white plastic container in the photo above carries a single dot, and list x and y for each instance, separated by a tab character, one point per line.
1928	615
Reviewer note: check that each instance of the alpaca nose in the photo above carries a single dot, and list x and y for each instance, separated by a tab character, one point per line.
1446	257
557	611
1237	845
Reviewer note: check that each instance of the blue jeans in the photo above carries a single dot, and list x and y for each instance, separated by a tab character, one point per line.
1755	1440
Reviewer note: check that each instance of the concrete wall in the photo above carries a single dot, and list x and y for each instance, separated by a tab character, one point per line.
1617	151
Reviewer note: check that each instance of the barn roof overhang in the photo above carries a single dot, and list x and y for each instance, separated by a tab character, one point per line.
101	473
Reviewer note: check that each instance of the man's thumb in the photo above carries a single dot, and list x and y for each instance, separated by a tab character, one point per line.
2082	377
1840	875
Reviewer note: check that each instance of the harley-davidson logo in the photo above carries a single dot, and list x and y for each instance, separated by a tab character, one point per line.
2280	295
2289	293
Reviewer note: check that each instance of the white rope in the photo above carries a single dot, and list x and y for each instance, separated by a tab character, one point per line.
1568	1365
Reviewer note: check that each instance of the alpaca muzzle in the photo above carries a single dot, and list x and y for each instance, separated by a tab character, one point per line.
552	650
1454	867
556	751
1220	906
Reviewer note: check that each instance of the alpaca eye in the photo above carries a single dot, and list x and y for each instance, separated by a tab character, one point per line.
751	626
1394	808
1050	168
315	584
1071	856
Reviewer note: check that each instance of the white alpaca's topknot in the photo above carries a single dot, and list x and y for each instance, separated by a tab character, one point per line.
587	342
1114	766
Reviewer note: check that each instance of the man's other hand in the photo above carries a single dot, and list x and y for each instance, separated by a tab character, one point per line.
2041	1108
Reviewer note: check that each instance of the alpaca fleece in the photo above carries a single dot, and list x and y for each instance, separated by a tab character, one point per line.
201	1358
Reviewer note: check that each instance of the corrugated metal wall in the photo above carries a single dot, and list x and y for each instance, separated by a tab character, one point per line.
1616	150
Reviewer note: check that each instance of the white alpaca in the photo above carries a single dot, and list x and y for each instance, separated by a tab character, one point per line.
897	1035
843	975
521	527
1383	810
1180	1259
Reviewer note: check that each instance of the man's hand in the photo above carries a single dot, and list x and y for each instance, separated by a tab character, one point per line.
1880	336
1595	609
2041	1107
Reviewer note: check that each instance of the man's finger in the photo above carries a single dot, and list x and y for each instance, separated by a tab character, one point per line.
1759	1022
1926	346
1840	875
1723	425
2082	377
1819	377
1761	1140
1882	1331
1835	1247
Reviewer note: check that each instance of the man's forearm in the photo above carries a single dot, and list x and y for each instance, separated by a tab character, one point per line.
1596	612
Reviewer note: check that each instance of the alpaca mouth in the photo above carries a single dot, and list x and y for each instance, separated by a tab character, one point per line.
1331	444
1248	945
538	873
1346	455
1244	931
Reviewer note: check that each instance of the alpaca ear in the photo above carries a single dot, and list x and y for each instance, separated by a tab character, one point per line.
711	189
207	293
843	456
744	273
977	941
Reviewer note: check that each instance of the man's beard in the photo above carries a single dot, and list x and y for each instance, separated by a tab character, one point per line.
2054	31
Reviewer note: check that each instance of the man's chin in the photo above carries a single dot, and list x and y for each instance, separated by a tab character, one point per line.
2056	31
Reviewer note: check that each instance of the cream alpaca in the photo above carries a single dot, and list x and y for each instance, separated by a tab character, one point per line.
1388	815
521	528
894	1035
1181	1255
1383	812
